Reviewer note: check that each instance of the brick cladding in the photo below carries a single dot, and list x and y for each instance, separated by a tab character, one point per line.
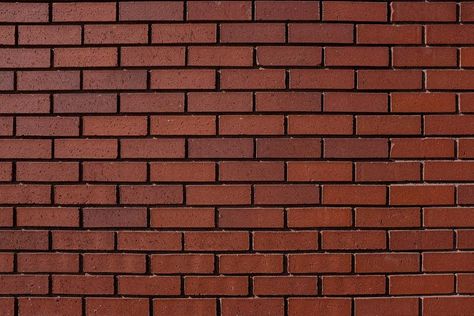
237	158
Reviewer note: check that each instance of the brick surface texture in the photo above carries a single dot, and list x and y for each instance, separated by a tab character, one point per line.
236	158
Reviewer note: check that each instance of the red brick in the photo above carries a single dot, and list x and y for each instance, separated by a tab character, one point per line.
47	216
323	306
151	102
284	285
216	241
355	102
219	10
82	240
25	194
354	11
422	148
286	194
251	171
319	263
48	262
465	283
49	34
152	56
183	79
84	194
353	240
84	103
421	195
85	57
63	306
115	34
423	12
289	56
465	239
252	306
151	11
220	148
250	263
114	79
391	306
388	34
320	124
455	305
387	262
182	263
184	33
216	285
24	284
423	102
355	148
448	261
219	101
114	126
319	171
320	33
24	12
47	126
85	148
467	12
119	263
389	79
356	56
24	58
286	10
420	239
48	80
424	57
188	217
387	217
421	284
114	217
117	306
319	217
256	79
387	171
251	125
152	148
180	306
151	194
448	217
250	217
83	284
183	125
7	35
149	241
321	79
83	12
283	241
449	34
24	240
182	171
353	285
149	285
218	194
114	171
47	171
465	148
288	147
6	262
6	80
288	101
24	103
6	216
252	33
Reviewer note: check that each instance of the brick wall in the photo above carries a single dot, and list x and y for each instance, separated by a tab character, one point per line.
237	158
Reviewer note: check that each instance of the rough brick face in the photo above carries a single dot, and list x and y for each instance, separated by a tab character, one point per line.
237	157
